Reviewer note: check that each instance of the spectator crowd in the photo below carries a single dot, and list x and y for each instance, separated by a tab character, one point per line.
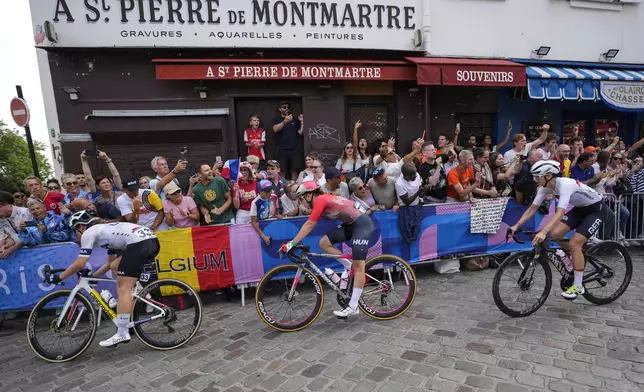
381	177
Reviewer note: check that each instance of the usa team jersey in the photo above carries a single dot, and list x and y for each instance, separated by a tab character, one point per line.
113	236
569	191
336	207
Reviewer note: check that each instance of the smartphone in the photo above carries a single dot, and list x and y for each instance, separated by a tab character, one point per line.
31	224
91	153
218	158
458	126
183	150
523	157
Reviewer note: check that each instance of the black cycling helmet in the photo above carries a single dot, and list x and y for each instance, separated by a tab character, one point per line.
85	217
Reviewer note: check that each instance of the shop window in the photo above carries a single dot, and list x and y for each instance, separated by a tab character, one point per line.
475	124
375	118
569	126
605	131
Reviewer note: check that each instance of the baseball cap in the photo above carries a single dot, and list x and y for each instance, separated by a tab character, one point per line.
272	163
131	184
591	149
264	185
171	188
332	172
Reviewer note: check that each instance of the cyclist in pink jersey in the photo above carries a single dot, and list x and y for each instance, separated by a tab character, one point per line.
356	227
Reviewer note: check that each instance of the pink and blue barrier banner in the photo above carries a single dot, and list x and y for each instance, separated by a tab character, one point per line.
208	258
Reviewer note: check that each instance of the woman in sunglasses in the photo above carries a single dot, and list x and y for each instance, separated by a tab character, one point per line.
361	193
308	172
19	199
349	160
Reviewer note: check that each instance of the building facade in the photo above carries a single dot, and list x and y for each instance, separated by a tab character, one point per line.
145	78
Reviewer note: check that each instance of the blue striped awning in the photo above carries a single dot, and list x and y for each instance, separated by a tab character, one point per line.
574	83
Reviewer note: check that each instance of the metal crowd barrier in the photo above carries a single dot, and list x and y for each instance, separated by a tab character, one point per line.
631	218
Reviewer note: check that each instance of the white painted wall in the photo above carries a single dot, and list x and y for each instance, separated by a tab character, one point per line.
513	28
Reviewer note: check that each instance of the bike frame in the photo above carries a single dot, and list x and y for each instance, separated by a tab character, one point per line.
86	284
305	261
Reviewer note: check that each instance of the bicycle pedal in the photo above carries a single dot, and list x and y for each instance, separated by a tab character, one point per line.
342	318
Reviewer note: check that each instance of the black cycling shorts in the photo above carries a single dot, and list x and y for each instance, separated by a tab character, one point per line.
357	234
136	256
587	220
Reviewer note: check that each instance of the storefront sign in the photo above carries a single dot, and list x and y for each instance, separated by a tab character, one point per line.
368	24
264	71
623	95
483	76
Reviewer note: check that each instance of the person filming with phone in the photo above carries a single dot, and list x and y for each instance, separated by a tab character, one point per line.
288	129
165	175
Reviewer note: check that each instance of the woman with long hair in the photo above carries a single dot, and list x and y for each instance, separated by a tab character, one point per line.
310	158
105	186
349	161
362	145
502	172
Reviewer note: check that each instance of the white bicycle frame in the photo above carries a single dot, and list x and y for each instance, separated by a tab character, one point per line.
86	285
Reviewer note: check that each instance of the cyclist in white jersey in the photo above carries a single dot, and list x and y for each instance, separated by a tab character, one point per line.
139	246
588	214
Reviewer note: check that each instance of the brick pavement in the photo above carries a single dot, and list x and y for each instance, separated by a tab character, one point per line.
452	339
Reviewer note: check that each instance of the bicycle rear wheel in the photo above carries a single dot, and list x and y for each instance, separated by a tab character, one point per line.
390	287
519	289
74	334
183	314
608	272
282	314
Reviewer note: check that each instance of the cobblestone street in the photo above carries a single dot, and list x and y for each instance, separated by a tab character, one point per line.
452	339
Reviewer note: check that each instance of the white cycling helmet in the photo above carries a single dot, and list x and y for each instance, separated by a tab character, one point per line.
85	217
542	168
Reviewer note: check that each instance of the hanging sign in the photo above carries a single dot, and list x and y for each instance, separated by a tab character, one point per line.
625	96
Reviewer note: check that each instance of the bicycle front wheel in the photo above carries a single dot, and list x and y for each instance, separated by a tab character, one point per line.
608	272
167	314
64	341
390	287
277	310
522	284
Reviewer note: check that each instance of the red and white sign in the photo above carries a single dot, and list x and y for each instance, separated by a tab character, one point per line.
20	112
299	72
438	71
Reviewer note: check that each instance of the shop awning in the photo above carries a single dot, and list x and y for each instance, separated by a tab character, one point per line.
436	71
583	83
280	69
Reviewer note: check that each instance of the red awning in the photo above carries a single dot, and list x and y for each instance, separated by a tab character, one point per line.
436	71
279	69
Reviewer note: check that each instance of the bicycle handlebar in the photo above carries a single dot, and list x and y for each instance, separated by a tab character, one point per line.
292	255
544	244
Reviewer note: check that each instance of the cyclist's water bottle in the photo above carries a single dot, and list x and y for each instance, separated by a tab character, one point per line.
344	280
335	278
109	299
565	259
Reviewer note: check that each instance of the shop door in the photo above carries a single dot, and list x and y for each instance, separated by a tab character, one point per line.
376	118
267	110
475	124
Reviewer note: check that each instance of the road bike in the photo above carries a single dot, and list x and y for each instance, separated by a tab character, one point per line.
607	274
390	289
166	314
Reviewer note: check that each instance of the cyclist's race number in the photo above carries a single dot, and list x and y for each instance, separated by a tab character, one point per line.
144	233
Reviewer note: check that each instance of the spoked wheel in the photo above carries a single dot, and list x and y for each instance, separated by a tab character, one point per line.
182	314
284	314
64	341
390	287
608	272
521	284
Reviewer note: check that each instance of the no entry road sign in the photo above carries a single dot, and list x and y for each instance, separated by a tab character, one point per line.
20	112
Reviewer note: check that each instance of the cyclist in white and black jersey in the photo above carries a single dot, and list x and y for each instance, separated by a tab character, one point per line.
588	214
139	246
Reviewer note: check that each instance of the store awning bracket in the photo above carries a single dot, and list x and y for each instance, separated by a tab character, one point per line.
159	113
